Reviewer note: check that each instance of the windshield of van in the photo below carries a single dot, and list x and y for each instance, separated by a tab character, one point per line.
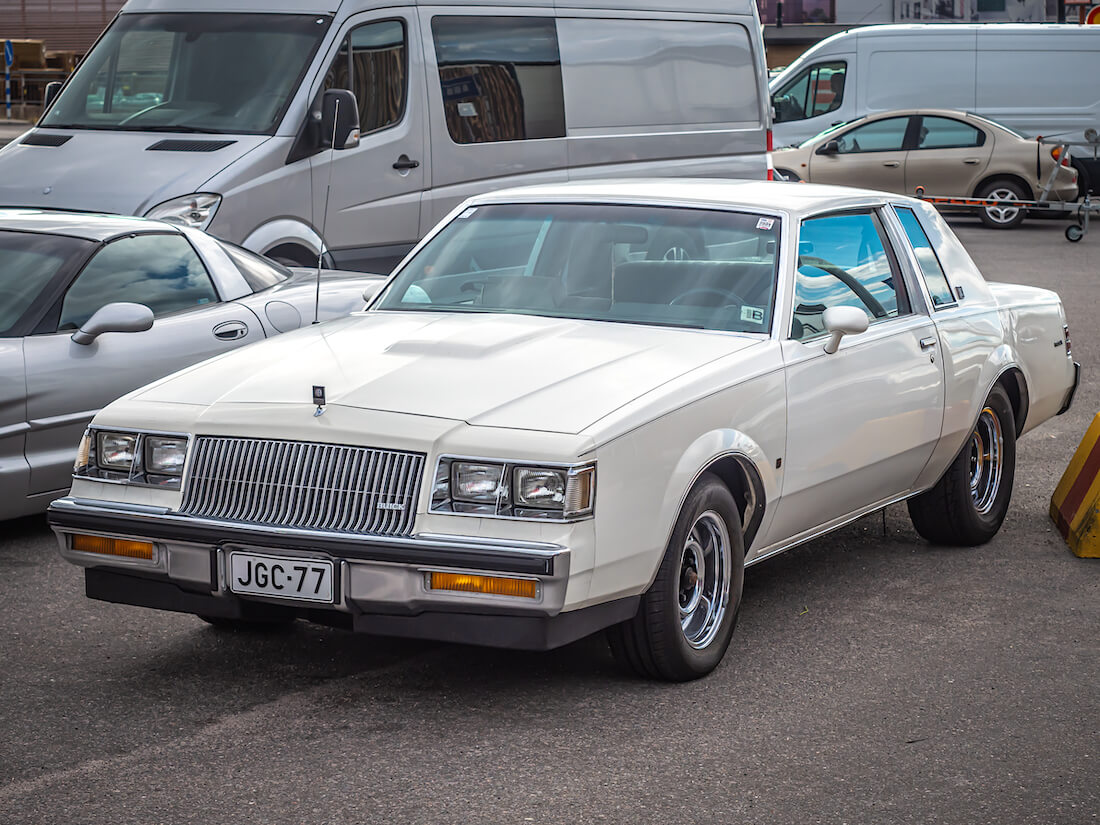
209	73
662	266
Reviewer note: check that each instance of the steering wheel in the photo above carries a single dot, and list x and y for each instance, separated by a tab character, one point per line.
726	295
846	278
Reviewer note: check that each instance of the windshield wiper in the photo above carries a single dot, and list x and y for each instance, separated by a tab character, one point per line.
195	130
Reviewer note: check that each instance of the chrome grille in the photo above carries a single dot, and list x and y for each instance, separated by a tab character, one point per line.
302	484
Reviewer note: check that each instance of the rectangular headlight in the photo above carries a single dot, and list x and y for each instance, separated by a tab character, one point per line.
115	451
539	487
511	489
478	482
165	455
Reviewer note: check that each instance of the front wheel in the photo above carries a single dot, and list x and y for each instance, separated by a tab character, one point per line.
686	618
968	504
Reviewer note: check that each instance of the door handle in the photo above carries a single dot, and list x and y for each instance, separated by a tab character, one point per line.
927	343
230	330
892	163
404	162
970	161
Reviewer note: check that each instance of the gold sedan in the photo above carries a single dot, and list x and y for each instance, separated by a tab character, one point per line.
946	152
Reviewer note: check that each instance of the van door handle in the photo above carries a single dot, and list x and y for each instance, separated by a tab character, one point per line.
927	343
892	163
970	161
404	162
231	330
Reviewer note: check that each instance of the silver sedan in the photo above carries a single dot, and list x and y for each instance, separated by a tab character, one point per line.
93	306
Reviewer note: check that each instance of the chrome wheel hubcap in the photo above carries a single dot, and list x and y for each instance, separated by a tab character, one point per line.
1001	213
704	579
986	459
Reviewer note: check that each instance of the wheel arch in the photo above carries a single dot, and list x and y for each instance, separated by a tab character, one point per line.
1015	384
993	177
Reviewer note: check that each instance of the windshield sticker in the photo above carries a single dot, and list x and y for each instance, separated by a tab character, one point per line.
467	212
765	223
754	315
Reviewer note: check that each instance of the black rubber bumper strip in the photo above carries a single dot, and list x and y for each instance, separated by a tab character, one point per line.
407	552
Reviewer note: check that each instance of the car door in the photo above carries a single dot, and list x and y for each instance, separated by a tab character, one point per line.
861	422
948	156
871	155
368	197
67	383
812	101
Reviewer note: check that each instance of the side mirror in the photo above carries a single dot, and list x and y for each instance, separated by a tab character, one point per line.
48	96
841	321
118	317
830	147
339	119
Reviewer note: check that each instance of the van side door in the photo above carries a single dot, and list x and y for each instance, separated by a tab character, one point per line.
372	191
816	98
496	105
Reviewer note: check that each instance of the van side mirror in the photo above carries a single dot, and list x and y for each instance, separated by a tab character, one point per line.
48	96
121	316
841	321
830	147
339	119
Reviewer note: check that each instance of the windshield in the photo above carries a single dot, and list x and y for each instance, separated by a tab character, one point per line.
28	265
233	73
695	268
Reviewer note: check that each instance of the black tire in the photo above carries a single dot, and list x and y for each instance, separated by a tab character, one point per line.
955	512
1074	232
997	217
248	625
655	643
788	175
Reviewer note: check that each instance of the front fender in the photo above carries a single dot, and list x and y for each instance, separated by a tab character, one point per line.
281	231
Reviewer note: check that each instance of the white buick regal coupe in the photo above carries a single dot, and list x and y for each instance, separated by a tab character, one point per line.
579	407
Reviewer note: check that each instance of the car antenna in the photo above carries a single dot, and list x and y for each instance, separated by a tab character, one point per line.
324	214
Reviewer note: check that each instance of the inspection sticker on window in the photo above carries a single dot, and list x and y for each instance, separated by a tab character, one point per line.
754	315
765	223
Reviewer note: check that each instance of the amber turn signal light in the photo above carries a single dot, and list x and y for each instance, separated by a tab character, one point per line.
491	585
127	548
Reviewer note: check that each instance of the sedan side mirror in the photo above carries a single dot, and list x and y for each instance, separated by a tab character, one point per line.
841	321
52	88
830	147
117	317
339	119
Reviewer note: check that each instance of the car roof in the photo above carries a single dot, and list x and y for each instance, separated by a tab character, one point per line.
794	199
89	226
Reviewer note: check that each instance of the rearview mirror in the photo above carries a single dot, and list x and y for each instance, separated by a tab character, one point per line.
841	321
117	317
339	119
52	88
830	147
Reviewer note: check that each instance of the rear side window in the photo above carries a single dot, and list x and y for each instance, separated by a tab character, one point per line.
934	276
373	63
500	78
621	73
948	133
259	273
161	271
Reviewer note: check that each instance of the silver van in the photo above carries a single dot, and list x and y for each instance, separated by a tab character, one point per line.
1036	79
207	113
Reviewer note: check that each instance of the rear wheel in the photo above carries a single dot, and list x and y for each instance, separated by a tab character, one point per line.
1002	215
686	618
968	504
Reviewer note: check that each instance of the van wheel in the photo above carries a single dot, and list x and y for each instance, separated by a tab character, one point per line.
686	618
1003	215
968	504
289	254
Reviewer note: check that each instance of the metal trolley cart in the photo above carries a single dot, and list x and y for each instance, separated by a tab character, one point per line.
1079	211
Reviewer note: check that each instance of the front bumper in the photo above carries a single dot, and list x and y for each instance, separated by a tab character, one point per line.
380	581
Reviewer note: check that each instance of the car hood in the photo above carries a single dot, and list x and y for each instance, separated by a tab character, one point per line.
496	370
101	171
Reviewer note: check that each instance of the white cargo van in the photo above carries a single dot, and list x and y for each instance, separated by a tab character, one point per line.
1037	79
207	113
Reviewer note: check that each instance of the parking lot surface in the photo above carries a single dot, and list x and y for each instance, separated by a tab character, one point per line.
873	678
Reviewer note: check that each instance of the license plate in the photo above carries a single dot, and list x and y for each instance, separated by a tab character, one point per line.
282	576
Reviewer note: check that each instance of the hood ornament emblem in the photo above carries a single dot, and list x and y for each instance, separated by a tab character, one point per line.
319	400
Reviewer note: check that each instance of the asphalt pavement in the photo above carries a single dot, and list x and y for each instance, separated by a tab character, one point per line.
872	679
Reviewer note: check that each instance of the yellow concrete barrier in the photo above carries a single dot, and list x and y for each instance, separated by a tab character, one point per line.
1075	505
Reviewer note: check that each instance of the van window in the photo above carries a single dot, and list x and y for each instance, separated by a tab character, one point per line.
500	78
373	64
621	73
947	133
843	261
814	91
190	72
934	276
161	271
877	136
